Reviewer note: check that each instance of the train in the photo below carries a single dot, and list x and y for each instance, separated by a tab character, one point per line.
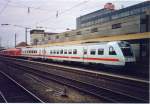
115	53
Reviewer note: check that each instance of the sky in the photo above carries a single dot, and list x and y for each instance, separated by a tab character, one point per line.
51	15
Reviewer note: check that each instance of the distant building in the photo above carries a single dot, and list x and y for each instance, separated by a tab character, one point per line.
22	44
39	37
2	48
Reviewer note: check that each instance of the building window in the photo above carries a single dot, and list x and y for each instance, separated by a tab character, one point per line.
49	38
57	37
115	26
93	52
66	35
43	39
100	51
94	30
78	33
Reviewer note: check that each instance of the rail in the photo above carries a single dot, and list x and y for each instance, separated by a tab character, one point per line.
26	94
110	87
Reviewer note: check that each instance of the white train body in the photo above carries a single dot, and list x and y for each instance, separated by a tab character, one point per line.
116	53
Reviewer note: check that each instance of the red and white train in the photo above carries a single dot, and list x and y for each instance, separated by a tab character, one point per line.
116	53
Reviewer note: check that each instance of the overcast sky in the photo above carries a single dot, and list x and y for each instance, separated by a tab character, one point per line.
35	13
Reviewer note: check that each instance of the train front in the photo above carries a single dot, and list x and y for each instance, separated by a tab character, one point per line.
127	52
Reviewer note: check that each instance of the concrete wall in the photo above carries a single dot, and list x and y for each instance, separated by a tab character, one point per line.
129	25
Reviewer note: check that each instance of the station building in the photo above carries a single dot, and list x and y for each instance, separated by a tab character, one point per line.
104	22
109	22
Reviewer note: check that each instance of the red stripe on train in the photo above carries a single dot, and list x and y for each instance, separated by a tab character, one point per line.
104	59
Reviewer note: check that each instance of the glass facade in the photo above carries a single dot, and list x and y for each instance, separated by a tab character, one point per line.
102	16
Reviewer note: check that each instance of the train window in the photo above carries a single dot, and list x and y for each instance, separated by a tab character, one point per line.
57	51
51	52
65	51
85	51
70	51
111	51
75	51
54	52
100	51
93	51
61	51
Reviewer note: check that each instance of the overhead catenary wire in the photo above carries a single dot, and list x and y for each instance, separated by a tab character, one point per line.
63	12
29	8
4	7
18	5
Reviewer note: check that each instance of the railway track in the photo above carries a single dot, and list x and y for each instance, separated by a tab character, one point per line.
109	87
12	92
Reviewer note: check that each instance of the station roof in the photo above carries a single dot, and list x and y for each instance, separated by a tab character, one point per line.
136	36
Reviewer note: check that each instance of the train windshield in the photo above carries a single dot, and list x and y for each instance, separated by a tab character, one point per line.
126	49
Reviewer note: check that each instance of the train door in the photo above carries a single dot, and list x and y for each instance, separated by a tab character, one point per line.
43	54
85	54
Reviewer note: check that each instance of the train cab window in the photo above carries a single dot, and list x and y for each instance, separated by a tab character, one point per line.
100	51
111	51
70	51
93	51
85	51
65	51
61	51
75	51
